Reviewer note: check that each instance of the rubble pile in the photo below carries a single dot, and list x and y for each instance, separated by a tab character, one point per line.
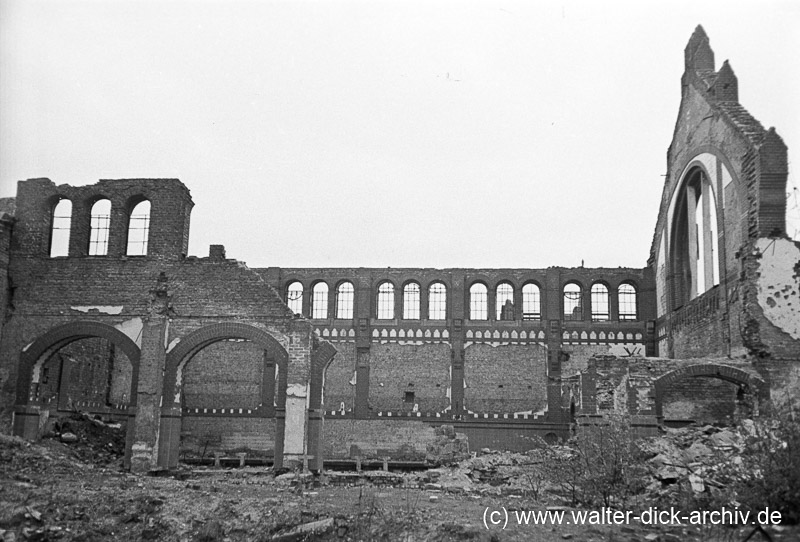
89	438
693	459
449	446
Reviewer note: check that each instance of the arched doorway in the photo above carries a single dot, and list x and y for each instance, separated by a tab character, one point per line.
51	368
274	358
744	386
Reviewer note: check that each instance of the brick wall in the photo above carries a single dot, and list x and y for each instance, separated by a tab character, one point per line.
505	379
399	439
226	374
228	435
398	371
704	400
339	379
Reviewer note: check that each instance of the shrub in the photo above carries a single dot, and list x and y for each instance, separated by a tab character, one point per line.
771	465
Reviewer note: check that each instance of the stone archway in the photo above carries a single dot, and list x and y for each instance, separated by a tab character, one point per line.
182	353
758	386
58	337
26	418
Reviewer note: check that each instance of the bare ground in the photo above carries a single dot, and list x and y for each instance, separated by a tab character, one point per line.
77	492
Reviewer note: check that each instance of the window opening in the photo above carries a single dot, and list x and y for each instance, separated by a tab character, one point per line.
100	222
411	301
139	229
573	308
505	301
531	303
386	301
478	303
627	302
599	303
437	301
294	297
319	301
61	225
344	301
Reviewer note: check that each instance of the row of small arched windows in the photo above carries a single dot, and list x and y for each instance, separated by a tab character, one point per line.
478	301
100	226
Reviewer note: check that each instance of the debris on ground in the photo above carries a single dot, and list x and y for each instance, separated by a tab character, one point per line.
60	489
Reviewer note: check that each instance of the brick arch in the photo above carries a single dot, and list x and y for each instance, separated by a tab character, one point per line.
321	358
53	340
170	427
183	352
710	370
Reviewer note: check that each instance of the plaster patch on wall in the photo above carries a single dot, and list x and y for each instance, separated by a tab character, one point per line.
133	329
779	283
173	344
105	309
296	390
626	350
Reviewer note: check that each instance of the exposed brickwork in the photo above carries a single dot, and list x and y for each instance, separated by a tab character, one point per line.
173	317
224	374
505	378
703	400
228	435
404	376
398	439
339	378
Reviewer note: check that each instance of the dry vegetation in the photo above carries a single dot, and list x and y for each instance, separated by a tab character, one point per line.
58	491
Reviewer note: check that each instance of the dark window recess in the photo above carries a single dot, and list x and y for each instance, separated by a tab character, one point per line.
409	397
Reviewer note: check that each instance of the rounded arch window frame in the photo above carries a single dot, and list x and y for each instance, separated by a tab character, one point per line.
445	312
410	312
470	301
320	309
380	306
352	301
684	289
498	307
532	316
96	238
131	205
288	300
579	316
52	206
633	284
598	316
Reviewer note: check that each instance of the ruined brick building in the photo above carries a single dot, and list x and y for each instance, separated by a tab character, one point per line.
106	312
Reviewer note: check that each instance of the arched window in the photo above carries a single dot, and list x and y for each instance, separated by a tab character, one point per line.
437	301
573	308
478	302
60	228
294	297
599	302
411	301
531	302
319	300
627	302
139	229
504	301
694	250
101	219
386	301
344	301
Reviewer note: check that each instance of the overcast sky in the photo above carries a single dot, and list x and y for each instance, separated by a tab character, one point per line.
399	133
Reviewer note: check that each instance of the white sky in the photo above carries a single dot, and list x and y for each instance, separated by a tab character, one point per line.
402	134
